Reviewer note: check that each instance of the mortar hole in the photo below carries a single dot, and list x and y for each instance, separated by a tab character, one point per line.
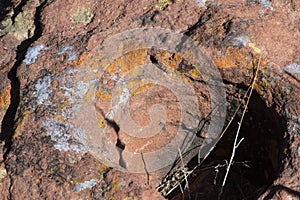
257	161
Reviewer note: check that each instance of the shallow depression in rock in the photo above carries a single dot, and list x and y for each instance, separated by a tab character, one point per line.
257	162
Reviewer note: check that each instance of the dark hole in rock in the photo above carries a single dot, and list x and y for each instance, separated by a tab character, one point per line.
257	161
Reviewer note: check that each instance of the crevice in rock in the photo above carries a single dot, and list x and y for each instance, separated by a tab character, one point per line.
10	187
9	120
4	9
120	145
202	20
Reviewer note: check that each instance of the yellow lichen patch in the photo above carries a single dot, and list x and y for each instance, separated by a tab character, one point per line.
134	84
128	62
105	97
102	96
232	59
171	62
236	58
162	4
101	122
142	88
123	64
134	59
21	124
194	73
128	198
112	69
5	99
170	59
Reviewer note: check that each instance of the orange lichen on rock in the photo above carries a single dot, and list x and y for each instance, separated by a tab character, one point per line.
128	62
101	122
172	62
81	59
112	65
233	58
194	73
22	124
170	59
142	88
5	99
236	58
102	96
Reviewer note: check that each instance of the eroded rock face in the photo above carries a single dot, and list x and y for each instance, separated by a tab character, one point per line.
65	105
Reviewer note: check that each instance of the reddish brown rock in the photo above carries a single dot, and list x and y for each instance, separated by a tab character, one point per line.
50	70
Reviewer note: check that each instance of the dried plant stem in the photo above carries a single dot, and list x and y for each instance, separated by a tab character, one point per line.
236	142
224	131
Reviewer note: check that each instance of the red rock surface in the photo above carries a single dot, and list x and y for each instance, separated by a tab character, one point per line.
56	89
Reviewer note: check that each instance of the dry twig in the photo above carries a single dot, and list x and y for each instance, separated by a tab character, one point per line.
236	142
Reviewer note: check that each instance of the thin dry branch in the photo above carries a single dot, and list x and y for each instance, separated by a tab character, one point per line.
236	142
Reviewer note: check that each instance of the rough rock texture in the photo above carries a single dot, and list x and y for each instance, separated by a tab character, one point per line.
46	45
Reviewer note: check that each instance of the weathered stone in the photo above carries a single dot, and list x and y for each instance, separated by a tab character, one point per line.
59	93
